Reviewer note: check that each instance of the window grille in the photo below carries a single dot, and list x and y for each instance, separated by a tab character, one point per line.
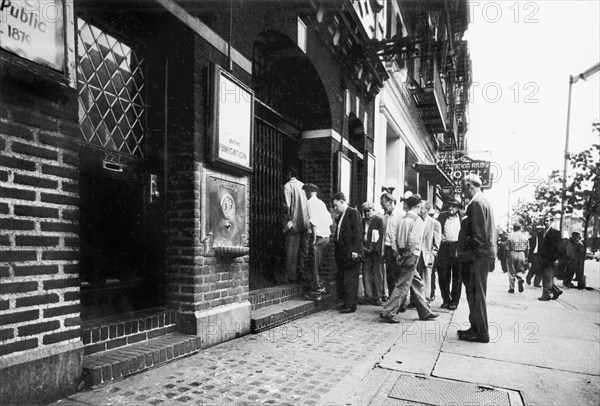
111	82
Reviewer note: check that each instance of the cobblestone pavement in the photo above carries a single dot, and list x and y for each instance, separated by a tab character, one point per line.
295	364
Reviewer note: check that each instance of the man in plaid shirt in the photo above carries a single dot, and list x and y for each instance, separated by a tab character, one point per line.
517	247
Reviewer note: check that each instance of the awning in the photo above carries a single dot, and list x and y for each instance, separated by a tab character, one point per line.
434	173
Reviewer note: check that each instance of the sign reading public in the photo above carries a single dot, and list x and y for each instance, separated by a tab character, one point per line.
34	30
232	124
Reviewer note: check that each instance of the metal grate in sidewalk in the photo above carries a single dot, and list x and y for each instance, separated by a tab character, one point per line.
411	390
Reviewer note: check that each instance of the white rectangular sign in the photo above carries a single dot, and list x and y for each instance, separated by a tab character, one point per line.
34	30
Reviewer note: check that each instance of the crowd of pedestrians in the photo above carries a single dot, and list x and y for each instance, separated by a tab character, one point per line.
403	249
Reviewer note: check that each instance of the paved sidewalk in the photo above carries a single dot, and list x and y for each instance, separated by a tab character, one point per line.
541	353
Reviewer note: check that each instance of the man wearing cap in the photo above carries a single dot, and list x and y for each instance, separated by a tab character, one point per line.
408	242
575	254
549	254
448	268
432	236
477	248
320	223
373	264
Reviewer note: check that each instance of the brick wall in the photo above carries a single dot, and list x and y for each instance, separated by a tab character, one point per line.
39	243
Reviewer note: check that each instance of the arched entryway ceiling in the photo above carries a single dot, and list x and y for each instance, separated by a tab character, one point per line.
289	83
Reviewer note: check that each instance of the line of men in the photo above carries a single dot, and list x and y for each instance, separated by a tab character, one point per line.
543	251
467	245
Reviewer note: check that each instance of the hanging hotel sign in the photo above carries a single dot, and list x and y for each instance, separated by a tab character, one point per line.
34	30
232	121
465	165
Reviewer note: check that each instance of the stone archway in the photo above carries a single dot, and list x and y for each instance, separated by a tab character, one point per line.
291	99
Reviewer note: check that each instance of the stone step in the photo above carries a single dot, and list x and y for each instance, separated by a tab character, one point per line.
275	315
266	297
116	364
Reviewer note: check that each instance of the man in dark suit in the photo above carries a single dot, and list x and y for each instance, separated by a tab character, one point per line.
533	257
373	264
348	252
549	254
477	250
449	277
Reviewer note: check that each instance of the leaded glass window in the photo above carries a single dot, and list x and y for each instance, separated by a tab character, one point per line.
111	84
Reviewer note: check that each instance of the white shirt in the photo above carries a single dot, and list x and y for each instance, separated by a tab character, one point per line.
319	217
451	228
391	226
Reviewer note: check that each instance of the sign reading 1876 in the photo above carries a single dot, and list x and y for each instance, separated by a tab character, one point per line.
34	30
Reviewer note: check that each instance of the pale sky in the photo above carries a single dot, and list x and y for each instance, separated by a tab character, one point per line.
522	54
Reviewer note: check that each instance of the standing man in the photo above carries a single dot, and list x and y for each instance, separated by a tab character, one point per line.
408	249
548	257
432	236
373	265
295	228
534	258
517	247
320	223
575	255
449	274
348	252
477	247
392	215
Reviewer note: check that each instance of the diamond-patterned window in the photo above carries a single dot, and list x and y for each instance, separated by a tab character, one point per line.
111	83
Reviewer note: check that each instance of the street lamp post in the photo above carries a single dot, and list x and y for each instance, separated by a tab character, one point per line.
572	79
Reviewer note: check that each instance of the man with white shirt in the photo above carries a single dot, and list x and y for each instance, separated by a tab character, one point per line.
449	278
407	247
320	223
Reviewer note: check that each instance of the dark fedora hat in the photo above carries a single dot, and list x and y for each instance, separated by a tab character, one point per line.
454	201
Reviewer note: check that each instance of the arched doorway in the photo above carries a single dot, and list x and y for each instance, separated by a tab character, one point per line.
290	98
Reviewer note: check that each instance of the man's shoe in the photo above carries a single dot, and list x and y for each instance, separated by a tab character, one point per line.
378	302
445	305
388	319
568	285
430	316
511	291
411	306
384	298
402	309
452	307
556	295
432	297
521	288
544	298
466	332
348	309
474	338
528	280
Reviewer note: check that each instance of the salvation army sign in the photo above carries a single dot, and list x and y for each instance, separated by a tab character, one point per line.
34	30
465	165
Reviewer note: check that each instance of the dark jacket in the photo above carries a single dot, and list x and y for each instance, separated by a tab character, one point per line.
550	247
350	236
477	238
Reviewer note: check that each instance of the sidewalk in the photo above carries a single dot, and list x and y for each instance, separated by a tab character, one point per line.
542	353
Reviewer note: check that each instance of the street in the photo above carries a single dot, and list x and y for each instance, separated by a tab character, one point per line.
541	353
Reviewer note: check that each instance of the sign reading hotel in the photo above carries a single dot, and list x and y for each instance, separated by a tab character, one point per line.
232	121
465	165
34	30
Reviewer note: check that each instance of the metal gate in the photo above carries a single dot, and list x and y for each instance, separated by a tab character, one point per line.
266	201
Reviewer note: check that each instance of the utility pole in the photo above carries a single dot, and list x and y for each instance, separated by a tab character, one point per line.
572	79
